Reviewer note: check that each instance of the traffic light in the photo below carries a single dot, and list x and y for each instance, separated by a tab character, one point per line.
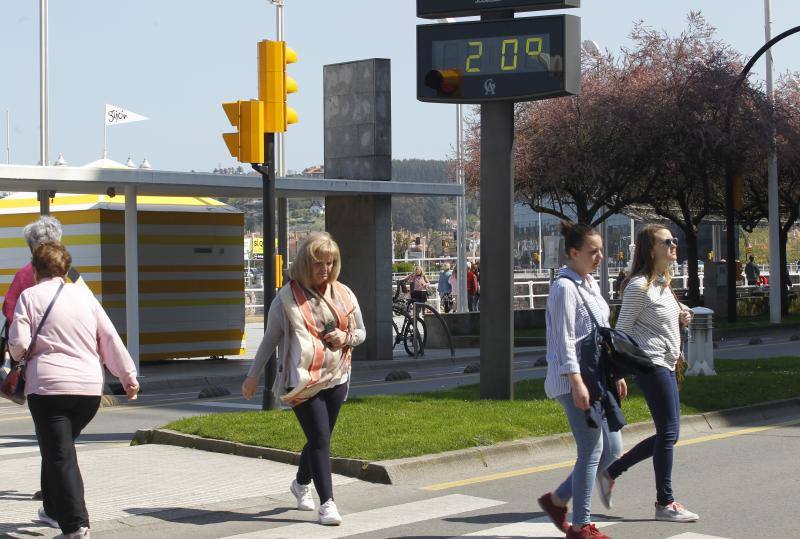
274	85
247	146
446	82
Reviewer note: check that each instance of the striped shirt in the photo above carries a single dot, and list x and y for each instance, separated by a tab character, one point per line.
568	323
650	314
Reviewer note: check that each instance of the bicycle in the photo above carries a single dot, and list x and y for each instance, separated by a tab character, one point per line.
405	334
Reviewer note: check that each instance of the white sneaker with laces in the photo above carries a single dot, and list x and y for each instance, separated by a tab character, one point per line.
328	514
47	519
80	534
305	502
675	512
605	487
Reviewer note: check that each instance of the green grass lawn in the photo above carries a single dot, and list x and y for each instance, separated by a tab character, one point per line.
387	427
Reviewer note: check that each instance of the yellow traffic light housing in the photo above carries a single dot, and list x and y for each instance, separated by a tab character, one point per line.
247	146
446	82
274	85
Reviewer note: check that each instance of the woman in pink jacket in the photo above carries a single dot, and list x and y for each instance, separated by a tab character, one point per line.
64	377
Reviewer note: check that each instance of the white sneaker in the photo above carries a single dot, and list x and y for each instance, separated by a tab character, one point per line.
605	488
81	533
47	519
328	514
675	512
303	495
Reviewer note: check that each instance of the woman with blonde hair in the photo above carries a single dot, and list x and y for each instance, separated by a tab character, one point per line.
317	322
419	285
653	316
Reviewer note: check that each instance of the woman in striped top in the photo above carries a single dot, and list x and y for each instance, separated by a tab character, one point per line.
652	315
568	324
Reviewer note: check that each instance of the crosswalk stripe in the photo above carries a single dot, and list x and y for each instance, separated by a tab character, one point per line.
692	535
216	404
537	527
379	519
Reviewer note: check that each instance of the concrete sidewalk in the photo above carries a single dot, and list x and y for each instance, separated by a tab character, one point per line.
124	483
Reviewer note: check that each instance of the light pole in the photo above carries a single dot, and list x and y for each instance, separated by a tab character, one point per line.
461	208
44	196
280	158
775	270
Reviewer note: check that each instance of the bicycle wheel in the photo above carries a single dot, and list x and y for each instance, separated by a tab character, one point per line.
408	336
395	335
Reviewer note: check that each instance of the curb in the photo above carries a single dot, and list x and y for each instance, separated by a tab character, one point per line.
504	454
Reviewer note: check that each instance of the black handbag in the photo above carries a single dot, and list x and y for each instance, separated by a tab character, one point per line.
13	386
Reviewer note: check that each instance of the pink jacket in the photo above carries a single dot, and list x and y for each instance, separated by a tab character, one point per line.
23	280
76	340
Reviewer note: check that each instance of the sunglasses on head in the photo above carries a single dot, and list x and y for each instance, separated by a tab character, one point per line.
669	242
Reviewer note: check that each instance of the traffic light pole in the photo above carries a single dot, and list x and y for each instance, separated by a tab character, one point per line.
270	400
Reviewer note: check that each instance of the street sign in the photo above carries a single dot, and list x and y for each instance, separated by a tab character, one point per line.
499	60
554	256
439	9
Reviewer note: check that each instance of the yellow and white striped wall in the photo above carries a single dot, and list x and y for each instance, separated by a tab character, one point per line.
191	265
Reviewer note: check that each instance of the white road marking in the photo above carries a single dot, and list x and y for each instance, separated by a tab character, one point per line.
379	519
692	535
538	527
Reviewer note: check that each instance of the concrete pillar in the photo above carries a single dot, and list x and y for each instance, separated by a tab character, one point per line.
358	146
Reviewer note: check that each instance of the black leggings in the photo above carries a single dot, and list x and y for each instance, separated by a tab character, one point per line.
317	418
59	419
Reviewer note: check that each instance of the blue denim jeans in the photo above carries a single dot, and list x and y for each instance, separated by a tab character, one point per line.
660	389
597	448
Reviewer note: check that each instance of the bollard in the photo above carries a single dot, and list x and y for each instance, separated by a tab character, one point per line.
700	349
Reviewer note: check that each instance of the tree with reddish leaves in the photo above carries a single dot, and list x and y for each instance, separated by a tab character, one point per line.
708	129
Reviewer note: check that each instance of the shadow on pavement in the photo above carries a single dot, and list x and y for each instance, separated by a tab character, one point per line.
204	516
15	495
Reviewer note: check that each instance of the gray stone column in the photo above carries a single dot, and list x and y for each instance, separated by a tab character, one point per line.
358	146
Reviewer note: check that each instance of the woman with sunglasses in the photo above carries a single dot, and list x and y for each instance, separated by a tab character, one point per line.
652	315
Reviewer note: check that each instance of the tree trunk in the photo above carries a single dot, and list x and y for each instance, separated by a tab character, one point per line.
693	298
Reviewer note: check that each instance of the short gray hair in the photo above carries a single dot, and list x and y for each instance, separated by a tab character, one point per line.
46	229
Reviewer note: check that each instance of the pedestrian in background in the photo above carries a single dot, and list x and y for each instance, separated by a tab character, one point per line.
419	285
68	338
444	288
653	316
453	282
317	321
751	271
476	269
569	323
473	288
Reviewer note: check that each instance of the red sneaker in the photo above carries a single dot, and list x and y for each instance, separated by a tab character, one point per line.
587	532
557	514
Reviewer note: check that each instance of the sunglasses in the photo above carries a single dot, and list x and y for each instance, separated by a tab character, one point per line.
670	242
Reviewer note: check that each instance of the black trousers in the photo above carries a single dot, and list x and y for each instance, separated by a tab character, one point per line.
59	419
317	418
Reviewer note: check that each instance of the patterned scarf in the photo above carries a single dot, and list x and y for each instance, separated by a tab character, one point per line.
309	312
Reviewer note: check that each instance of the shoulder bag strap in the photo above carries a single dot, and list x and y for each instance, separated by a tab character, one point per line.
585	303
24	358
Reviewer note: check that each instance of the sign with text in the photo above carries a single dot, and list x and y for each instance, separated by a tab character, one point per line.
501	60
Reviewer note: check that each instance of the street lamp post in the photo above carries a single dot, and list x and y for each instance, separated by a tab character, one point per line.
775	270
44	196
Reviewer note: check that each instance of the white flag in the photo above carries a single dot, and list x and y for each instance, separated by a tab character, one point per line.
118	115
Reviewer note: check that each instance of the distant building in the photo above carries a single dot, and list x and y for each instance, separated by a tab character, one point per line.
316	171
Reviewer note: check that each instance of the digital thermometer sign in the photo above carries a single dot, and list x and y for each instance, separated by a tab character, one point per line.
509	59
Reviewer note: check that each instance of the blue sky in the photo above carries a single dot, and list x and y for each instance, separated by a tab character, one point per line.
176	61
